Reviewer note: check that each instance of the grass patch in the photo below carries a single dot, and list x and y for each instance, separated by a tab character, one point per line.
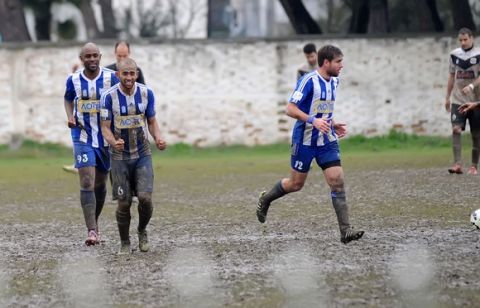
393	141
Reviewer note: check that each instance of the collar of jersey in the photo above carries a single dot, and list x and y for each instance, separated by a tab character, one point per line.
94	79
126	95
327	81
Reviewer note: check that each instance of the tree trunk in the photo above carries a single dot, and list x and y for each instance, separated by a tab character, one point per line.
378	17
462	15
301	20
360	16
43	20
89	19
12	27
109	28
437	22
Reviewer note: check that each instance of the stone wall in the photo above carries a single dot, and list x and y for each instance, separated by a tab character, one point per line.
235	92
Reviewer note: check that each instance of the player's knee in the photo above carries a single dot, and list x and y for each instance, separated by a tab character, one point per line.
457	130
145	199
337	184
86	183
123	207
296	186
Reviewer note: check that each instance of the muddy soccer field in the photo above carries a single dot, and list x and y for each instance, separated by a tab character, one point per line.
208	249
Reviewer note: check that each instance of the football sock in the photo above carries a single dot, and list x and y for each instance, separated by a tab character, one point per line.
475	147
339	201
100	193
276	192
457	147
145	210
123	219
87	200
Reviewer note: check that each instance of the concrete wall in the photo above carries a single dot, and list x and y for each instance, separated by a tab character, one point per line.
224	92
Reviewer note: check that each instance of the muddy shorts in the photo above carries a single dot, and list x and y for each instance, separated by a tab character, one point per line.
459	119
87	156
326	156
132	175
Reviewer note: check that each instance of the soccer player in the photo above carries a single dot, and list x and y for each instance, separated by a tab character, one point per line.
310	52
82	98
315	135
122	51
128	109
464	69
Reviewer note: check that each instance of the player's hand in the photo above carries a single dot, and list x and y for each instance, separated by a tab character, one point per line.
340	129
322	125
463	109
71	122
466	90
119	144
448	105
161	144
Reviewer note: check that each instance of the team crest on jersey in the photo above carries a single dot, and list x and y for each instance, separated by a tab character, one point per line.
84	93
323	95
124	109
473	60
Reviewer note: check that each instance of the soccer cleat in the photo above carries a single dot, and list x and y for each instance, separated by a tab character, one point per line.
92	238
70	168
262	208
456	168
143	241
124	248
473	170
351	235
98	235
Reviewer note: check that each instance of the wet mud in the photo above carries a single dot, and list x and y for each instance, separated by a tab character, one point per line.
208	249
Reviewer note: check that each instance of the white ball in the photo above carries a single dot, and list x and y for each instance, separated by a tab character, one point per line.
475	218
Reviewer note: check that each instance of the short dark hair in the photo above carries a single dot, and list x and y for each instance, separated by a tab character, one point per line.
328	52
309	48
120	43
465	31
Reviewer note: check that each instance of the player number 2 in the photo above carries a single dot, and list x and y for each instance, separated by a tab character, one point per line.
298	165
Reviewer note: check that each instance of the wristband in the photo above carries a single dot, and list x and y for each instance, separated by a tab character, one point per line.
310	119
471	86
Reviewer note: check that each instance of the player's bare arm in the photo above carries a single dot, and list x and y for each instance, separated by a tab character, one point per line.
469	88
321	124
69	111
340	128
117	144
468	107
154	130
450	83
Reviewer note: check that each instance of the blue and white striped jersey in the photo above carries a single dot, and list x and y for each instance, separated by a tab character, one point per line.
315	96
85	95
128	115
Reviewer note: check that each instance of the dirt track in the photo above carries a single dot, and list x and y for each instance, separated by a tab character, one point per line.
208	249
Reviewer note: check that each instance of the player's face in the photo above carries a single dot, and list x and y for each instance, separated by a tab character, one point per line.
311	58
334	67
121	53
91	59
466	41
127	76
